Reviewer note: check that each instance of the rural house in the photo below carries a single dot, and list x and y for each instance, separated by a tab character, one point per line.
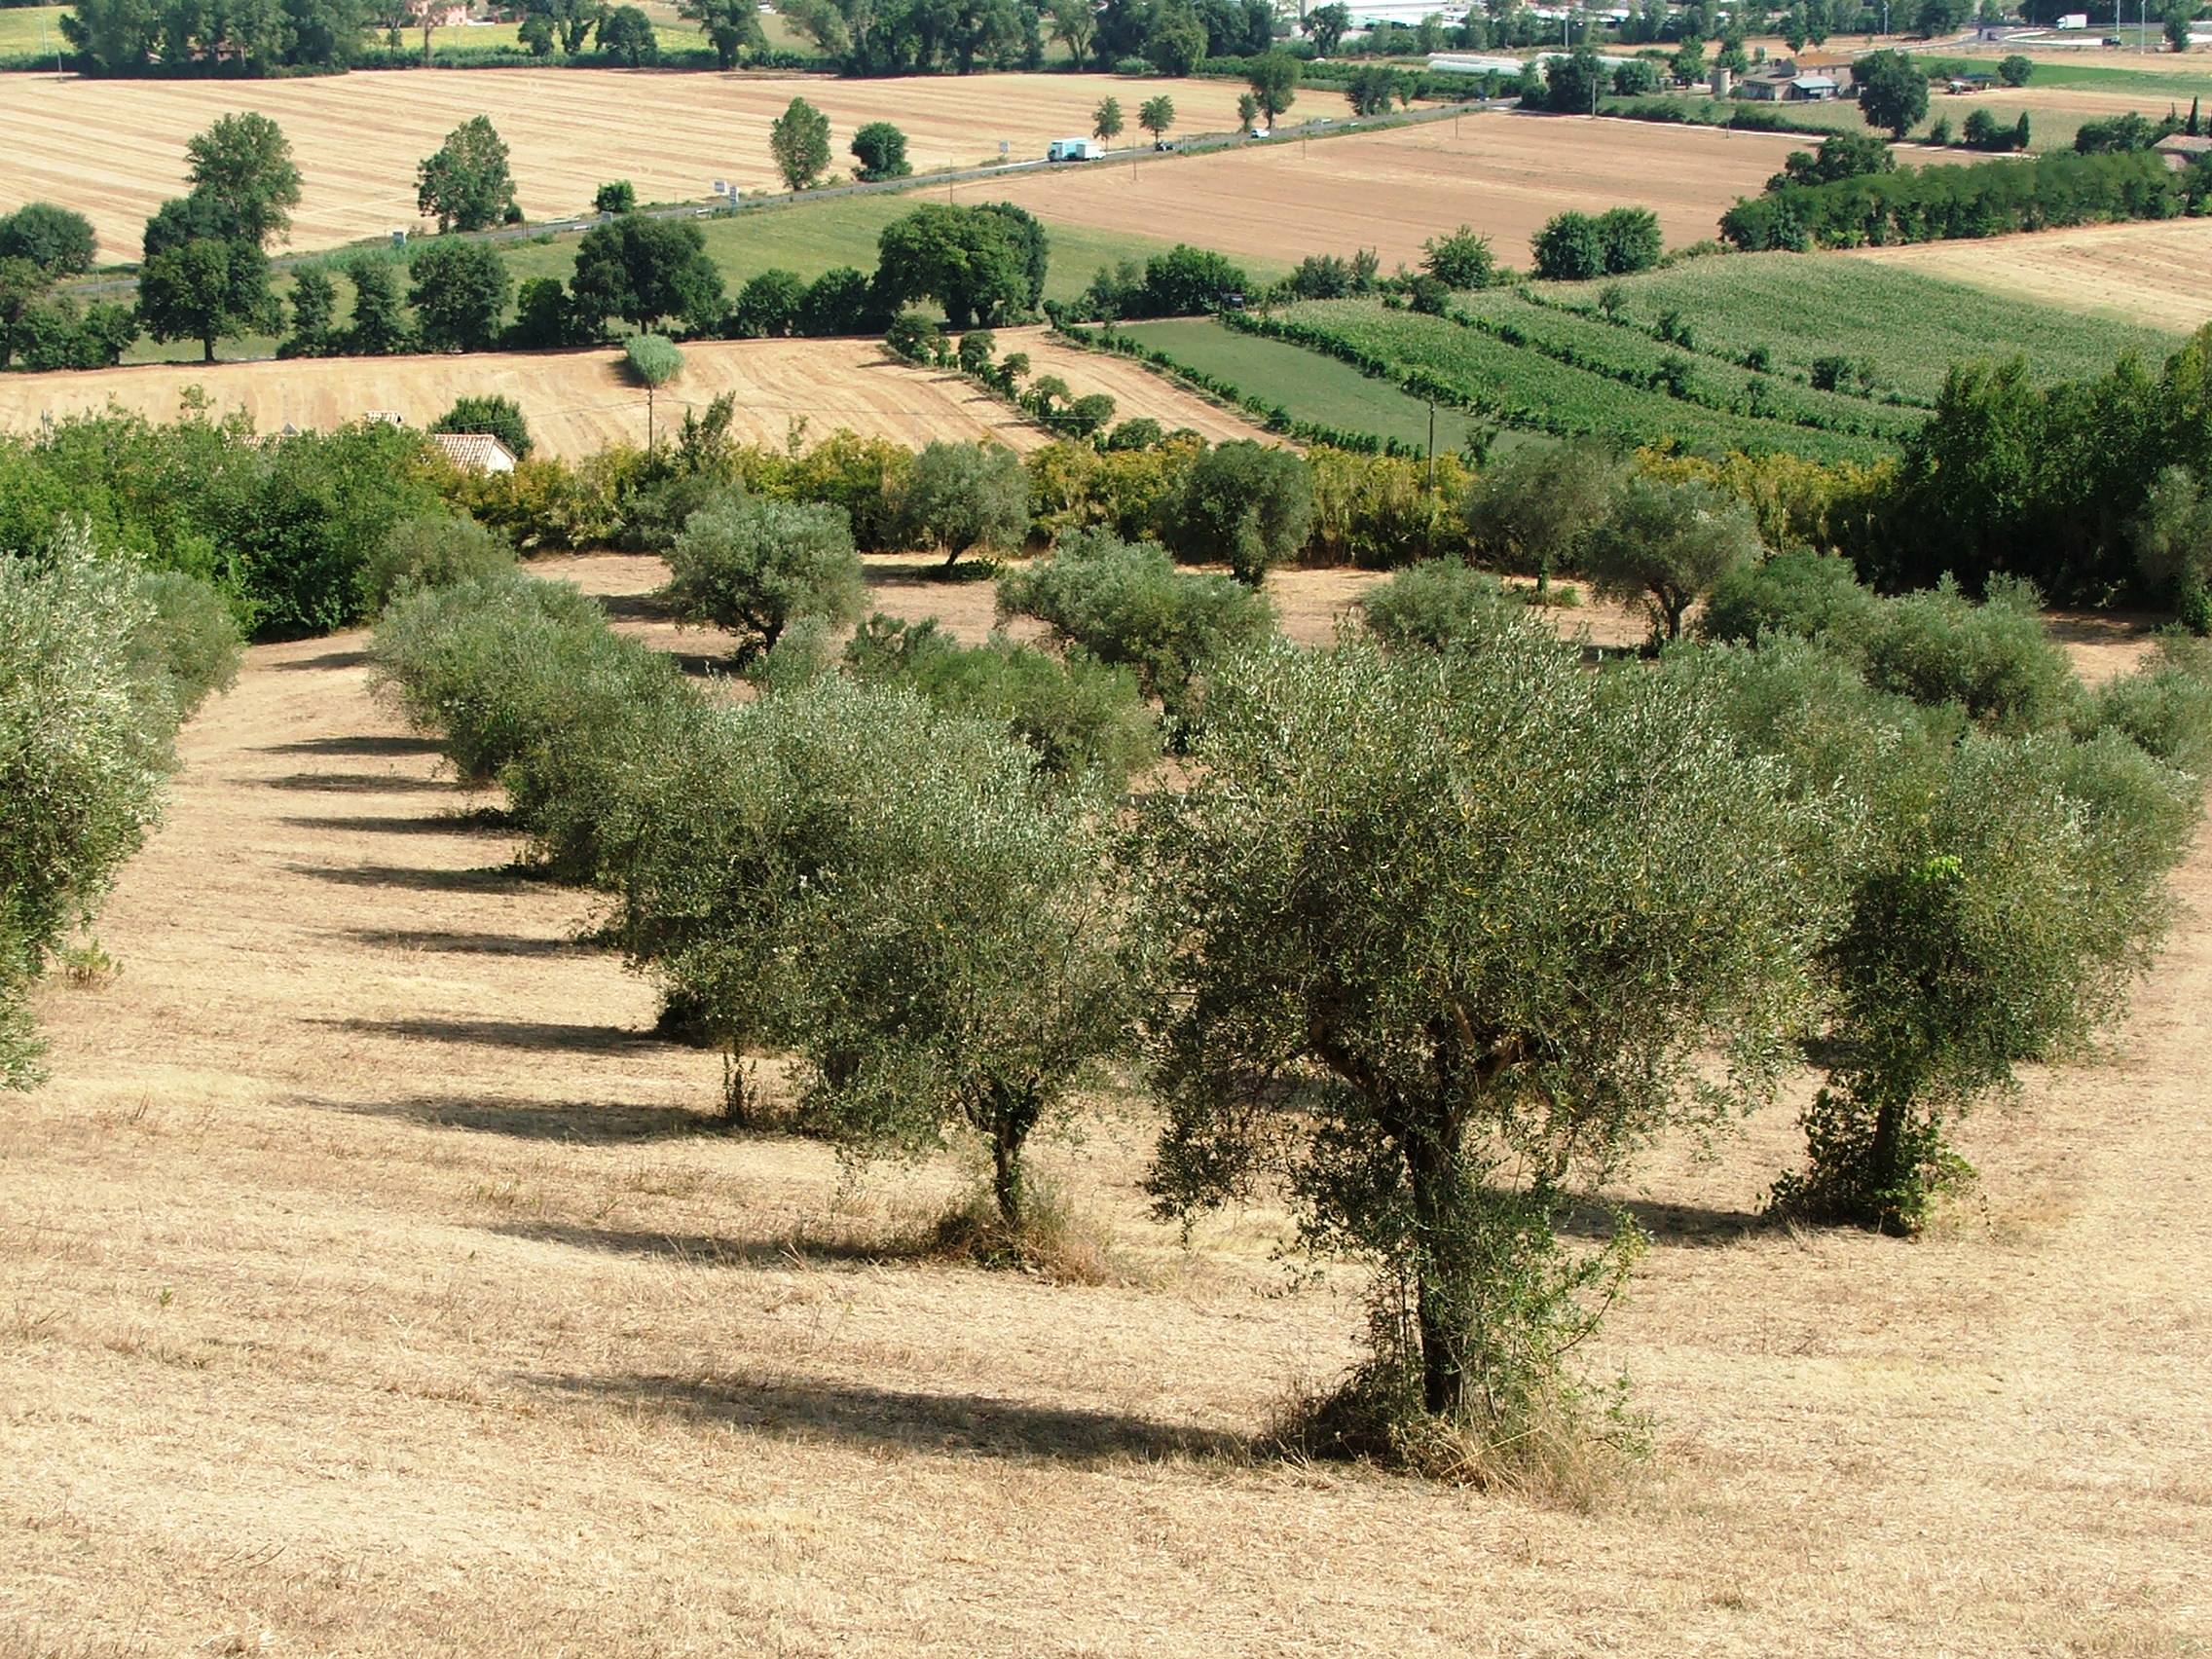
2179	150
474	451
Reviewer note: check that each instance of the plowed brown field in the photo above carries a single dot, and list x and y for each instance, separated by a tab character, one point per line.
1390	191
577	402
2148	273
115	148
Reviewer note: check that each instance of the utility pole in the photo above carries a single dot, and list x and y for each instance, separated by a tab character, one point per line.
1432	443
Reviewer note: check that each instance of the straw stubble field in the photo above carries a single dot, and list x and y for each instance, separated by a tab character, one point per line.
370	1282
114	150
580	402
2146	273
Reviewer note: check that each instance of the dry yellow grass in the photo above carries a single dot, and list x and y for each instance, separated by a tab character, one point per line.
2147	273
1503	173
368	1286
580	402
114	150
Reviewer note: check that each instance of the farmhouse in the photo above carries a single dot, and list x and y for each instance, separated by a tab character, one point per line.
2180	151
1786	83
474	451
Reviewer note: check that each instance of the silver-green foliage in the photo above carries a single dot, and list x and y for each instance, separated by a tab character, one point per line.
1451	936
85	745
432	550
886	891
653	358
755	566
1435	605
1126	603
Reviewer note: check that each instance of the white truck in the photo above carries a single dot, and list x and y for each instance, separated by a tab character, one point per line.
1075	150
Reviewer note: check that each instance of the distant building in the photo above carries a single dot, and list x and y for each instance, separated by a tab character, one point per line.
1784	82
474	451
2180	151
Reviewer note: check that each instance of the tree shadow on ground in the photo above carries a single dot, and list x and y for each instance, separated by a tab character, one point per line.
579	1122
357	783
709	1249
364	745
328	659
492	878
529	1034
636	607
934	575
467	943
902	1420
427	824
1694	1227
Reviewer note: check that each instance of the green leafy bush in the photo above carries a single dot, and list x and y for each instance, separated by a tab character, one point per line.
1436	605
436	550
1125	604
189	638
754	566
1083	717
1248	504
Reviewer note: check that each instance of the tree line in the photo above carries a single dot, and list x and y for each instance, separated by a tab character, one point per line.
1434	929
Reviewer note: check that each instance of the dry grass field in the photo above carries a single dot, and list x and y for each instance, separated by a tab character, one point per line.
2146	273
1503	173
114	150
370	1283
580	402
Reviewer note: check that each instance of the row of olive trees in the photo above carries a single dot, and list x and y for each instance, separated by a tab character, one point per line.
100	664
1438	928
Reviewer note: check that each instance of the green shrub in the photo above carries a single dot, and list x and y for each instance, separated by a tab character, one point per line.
1996	661
1435	605
436	550
1799	592
754	566
2164	707
657	512
1083	717
962	498
653	358
189	638
1125	604
1246	504
500	417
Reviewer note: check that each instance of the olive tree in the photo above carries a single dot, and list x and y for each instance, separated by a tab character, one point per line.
1665	544
1248	504
84	751
1534	507
1448	936
1126	603
966	976
959	497
754	566
1435	605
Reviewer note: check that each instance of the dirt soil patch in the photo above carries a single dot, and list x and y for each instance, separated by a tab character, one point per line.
1390	191
371	1281
114	150
2150	272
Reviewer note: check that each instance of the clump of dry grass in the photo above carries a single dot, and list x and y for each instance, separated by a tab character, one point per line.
1571	1447
1053	1239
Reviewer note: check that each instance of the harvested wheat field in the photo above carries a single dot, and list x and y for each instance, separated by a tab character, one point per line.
114	150
370	1283
1392	191
580	402
576	402
2147	273
1134	388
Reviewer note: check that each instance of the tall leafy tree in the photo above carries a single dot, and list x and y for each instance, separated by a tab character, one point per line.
799	142
58	241
1106	120
986	264
467	186
314	311
732	27
459	295
191	292
1893	92
880	148
626	35
1156	115
1273	81
379	327
644	270
241	165
1075	25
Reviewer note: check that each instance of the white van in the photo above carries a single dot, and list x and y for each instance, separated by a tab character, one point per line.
1075	150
